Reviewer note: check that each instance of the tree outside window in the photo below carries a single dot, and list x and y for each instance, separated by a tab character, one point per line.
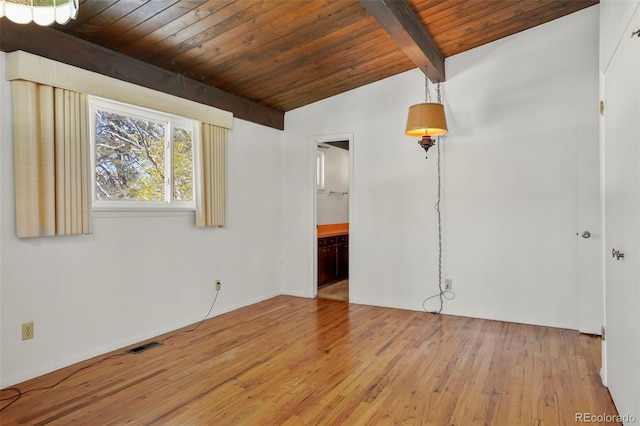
142	158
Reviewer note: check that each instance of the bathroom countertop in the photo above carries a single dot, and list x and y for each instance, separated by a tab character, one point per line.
333	229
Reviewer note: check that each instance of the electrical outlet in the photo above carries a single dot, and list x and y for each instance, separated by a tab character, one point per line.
27	331
448	284
218	285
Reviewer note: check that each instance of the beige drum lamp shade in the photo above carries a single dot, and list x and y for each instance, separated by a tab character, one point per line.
426	119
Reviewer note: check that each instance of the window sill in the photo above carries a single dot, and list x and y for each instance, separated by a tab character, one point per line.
106	212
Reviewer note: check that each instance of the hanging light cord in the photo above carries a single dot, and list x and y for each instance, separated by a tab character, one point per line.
442	294
439	222
19	393
439	199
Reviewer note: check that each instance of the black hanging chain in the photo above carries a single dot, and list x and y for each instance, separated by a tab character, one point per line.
427	91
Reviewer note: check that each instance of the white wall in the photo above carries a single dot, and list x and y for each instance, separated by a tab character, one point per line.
137	275
332	205
614	18
525	116
519	111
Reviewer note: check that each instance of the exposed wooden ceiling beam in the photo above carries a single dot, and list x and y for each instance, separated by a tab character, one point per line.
61	47
404	27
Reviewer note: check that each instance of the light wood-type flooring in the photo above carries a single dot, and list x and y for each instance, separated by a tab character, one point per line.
335	291
296	361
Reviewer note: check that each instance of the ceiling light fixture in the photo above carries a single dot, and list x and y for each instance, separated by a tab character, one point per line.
42	12
427	119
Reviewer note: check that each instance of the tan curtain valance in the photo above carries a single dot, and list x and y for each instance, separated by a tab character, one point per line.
26	66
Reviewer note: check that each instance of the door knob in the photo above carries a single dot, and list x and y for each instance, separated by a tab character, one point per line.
586	234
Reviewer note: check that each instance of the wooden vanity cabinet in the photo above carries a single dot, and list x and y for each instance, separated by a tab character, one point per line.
333	259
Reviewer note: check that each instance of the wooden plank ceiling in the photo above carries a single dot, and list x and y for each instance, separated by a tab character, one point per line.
286	54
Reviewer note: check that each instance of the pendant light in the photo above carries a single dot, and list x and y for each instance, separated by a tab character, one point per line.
427	119
42	12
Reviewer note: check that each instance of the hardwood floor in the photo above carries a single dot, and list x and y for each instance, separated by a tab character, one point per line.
293	361
335	291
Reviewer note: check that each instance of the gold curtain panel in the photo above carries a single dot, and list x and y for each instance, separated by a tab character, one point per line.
51	154
211	185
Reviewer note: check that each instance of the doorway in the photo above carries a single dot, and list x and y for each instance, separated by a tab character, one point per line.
332	200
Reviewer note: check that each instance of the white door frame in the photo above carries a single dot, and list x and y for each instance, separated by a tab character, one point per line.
314	141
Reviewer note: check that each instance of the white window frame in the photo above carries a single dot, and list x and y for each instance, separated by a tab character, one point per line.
319	169
172	121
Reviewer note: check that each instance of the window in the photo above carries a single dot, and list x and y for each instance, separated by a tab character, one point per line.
141	158
319	169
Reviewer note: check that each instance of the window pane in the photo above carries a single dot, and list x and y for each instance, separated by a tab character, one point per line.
182	165
130	158
319	170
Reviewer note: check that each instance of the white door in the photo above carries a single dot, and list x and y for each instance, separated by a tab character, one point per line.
622	222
